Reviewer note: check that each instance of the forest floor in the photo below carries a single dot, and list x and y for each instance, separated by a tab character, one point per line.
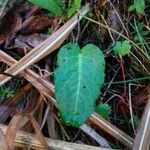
31	36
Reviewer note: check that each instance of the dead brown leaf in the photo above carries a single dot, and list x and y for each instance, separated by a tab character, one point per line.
23	19
25	42
35	24
39	134
9	26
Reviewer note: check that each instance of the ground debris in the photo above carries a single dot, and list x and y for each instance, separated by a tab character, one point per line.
22	23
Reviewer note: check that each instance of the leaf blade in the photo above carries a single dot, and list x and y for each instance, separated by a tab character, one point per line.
50	5
74	7
122	47
139	6
77	88
104	110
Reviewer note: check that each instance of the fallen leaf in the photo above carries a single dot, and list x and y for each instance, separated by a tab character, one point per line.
19	28
35	24
26	42
26	10
9	26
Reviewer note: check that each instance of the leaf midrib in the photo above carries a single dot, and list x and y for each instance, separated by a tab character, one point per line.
79	83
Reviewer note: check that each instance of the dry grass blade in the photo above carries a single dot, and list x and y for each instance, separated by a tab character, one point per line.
45	48
142	139
100	140
39	134
3	141
94	118
25	139
12	129
51	125
101	123
33	78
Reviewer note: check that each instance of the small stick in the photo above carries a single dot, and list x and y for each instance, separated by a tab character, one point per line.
109	128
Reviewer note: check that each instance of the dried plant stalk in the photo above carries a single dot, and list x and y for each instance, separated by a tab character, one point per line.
106	126
142	139
46	47
94	119
25	139
92	133
41	84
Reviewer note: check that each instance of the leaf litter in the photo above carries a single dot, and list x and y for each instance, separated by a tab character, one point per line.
26	22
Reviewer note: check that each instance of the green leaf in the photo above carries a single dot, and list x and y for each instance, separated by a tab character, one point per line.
78	79
122	47
74	7
54	6
6	92
104	110
139	6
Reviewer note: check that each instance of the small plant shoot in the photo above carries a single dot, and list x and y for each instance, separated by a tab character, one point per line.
74	7
104	110
78	78
139	6
122	47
